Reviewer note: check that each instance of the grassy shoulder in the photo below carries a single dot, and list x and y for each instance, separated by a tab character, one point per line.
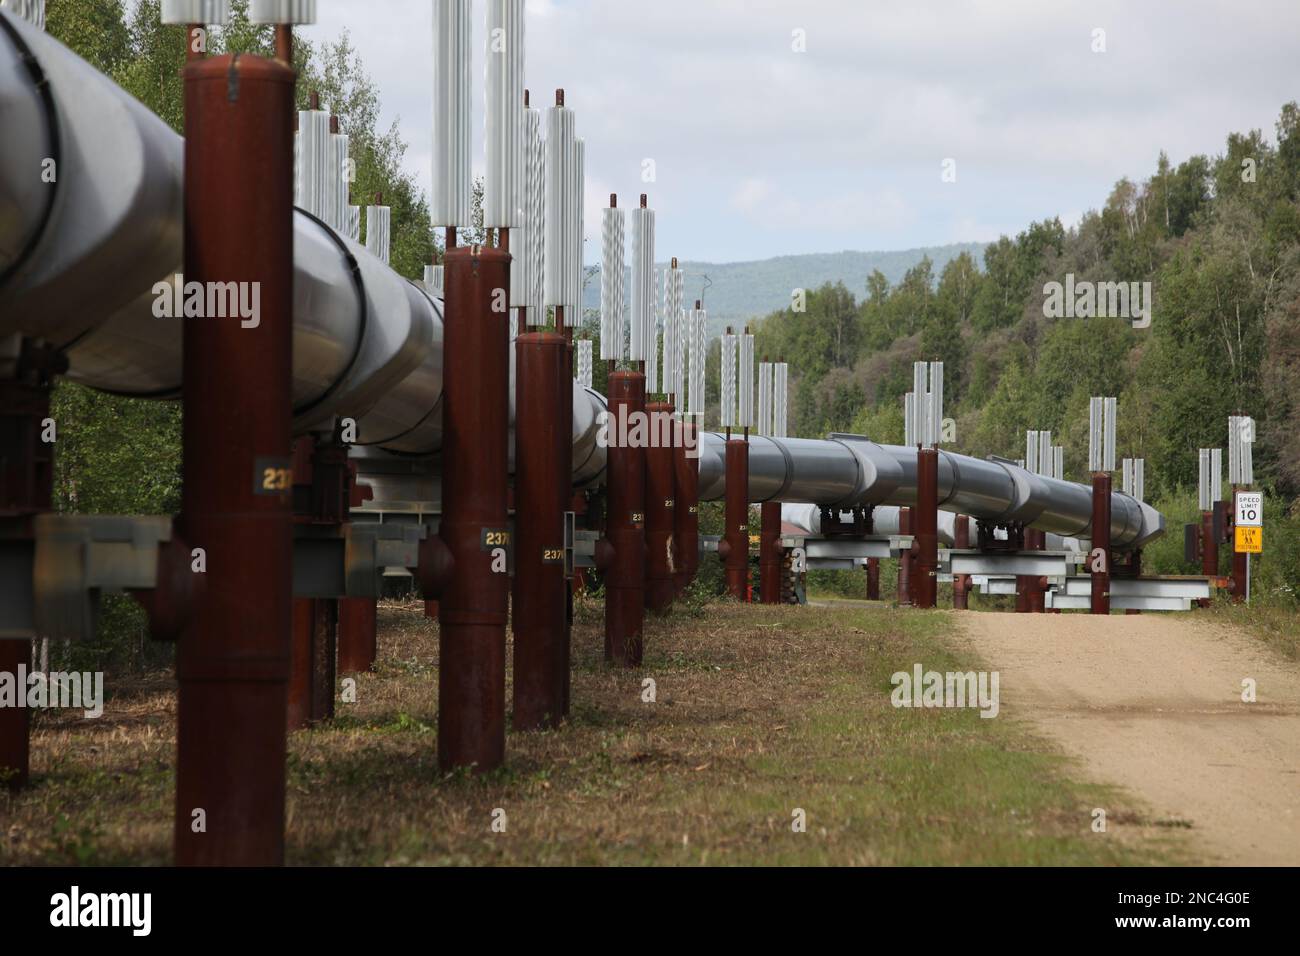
1276	624
758	712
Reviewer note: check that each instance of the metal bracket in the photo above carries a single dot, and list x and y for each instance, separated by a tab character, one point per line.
58	575
995	563
845	554
570	543
371	547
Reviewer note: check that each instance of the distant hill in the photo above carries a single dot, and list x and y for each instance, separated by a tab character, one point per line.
738	291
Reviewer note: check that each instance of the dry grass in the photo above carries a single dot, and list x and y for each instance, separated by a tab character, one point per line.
759	711
1276	625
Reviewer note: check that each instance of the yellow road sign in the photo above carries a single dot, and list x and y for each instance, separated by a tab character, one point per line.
1249	540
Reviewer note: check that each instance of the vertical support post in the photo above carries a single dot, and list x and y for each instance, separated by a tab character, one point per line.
358	634
1036	596
686	516
232	659
15	722
542	495
1209	549
769	553
961	582
736	534
873	579
311	662
926	522
1100	556
564	649
660	508
625	525
905	560
26	490
474	529
1239	558
322	492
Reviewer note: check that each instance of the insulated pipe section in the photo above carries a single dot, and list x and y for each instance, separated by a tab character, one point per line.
90	190
847	471
367	345
81	257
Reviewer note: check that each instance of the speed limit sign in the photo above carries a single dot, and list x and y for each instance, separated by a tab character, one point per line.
1250	509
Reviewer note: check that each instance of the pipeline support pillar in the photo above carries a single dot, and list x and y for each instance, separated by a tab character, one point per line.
925	519
736	534
624	554
961	582
769	553
686	516
905	560
1209	550
232	659
26	490
542	493
1099	558
660	509
466	565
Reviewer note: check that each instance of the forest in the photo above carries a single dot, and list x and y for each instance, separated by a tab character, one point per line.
1215	237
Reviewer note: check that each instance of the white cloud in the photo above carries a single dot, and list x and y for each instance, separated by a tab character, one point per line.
845	139
759	202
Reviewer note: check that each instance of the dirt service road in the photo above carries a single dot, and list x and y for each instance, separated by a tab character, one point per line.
1153	703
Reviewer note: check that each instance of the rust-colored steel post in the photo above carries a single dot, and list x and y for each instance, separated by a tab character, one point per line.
26	490
1209	551
322	491
686	516
905	560
232	659
358	634
1238	562
625	524
1209	546
770	556
471	549
1025	582
542	494
358	631
873	579
564	648
1100	554
961	582
1031	585
15	722
735	554
1040	583
926	522
660	509
311	662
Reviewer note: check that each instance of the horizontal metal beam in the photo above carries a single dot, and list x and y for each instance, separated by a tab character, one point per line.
870	546
1035	563
988	585
1191	588
1057	600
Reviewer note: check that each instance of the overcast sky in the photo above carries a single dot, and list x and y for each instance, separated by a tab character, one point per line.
763	150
